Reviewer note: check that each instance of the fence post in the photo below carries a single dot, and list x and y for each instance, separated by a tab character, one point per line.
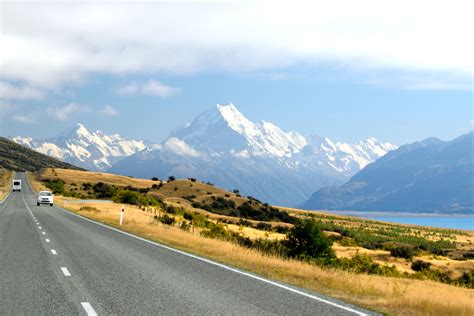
121	215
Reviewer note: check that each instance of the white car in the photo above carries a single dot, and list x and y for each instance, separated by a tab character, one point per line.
45	197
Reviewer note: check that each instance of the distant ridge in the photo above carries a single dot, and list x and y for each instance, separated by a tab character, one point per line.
20	158
429	176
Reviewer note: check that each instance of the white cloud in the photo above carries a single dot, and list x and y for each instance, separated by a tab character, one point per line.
64	113
179	147
48	44
109	111
11	91
130	88
152	87
24	119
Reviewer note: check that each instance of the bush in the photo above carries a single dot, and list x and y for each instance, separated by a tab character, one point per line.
127	197
420	265
467	280
154	179
264	226
171	178
402	251
307	241
56	186
192	179
185	226
103	190
188	216
168	220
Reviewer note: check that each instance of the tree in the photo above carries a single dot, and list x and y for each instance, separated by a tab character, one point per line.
171	178
306	240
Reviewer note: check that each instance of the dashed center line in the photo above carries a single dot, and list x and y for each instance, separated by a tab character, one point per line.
88	308
40	227
54	252
47	240
65	271
43	233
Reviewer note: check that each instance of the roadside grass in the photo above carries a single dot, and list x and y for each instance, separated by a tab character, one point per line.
396	296
6	178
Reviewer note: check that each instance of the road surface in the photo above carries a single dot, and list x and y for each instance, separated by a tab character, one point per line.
55	262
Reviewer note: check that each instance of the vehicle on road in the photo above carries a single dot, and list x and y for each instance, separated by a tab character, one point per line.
16	185
45	197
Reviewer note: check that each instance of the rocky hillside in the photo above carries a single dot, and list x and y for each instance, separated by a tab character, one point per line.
20	158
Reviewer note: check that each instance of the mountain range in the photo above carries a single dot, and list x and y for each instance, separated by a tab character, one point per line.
81	147
427	176
222	146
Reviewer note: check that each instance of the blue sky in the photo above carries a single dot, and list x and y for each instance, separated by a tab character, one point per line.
137	70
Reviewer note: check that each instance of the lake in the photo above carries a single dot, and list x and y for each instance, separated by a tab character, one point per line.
434	220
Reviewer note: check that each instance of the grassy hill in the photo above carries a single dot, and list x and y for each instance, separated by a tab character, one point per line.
19	158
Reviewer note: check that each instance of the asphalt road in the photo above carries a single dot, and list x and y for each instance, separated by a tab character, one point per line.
55	262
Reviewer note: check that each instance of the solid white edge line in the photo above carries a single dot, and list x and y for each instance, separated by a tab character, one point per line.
65	271
88	308
224	266
54	252
313	297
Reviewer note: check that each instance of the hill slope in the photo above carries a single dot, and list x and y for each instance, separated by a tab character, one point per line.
17	157
427	176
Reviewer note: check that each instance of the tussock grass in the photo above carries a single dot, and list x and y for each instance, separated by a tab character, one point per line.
388	295
6	178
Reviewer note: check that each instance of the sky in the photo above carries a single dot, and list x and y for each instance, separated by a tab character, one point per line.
398	71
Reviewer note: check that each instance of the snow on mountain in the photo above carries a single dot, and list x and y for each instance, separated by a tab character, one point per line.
90	150
221	145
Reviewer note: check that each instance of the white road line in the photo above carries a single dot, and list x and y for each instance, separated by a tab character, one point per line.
88	308
47	240
54	252
65	271
40	227
43	233
295	291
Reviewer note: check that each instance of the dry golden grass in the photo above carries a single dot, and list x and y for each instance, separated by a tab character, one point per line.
6	178
79	177
388	295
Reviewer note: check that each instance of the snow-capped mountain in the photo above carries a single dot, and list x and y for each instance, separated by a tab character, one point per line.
81	147
223	146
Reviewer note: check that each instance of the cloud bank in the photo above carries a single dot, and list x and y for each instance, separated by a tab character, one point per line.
48	45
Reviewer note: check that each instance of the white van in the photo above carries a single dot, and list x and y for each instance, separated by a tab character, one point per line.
16	185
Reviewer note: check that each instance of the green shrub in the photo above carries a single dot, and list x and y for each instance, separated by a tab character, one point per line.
127	197
56	186
420	265
264	226
306	240
171	178
402	251
166	219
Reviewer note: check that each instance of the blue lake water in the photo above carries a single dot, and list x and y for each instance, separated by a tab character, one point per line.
449	221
